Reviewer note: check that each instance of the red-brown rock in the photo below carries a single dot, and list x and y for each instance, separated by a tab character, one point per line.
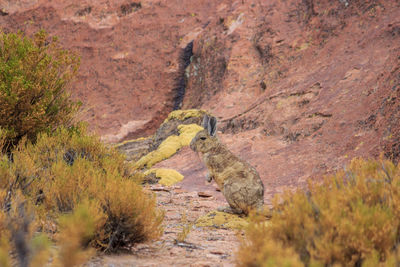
130	54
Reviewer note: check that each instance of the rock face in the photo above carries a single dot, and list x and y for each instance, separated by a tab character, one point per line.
300	86
299	89
131	54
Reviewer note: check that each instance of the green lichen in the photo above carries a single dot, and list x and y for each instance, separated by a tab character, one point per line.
170	146
167	177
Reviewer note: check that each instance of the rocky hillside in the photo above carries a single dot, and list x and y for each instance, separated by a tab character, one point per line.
131	54
299	86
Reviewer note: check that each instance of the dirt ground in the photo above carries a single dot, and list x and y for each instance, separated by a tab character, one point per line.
203	246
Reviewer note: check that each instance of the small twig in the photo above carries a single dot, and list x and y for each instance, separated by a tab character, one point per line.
389	179
186	245
160	189
253	106
113	237
264	99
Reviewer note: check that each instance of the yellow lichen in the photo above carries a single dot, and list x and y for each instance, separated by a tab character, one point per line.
184	114
303	46
168	176
170	146
220	219
188	132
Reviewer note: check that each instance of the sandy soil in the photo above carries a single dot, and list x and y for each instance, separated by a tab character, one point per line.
203	246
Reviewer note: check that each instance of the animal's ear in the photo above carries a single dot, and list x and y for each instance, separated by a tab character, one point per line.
212	126
205	121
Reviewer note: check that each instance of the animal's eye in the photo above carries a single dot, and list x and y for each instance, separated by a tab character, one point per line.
202	138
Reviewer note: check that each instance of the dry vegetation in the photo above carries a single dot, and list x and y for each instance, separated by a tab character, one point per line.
58	183
67	169
352	219
34	76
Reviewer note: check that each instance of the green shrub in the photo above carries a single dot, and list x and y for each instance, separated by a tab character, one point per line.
34	75
69	167
352	219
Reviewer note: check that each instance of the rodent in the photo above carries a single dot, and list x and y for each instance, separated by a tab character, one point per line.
238	181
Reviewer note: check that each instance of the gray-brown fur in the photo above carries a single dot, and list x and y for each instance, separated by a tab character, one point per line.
239	181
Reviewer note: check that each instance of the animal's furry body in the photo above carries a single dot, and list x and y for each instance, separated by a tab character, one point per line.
238	181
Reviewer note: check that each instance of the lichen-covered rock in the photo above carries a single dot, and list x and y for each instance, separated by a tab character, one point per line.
165	177
137	148
185	114
177	131
175	118
169	146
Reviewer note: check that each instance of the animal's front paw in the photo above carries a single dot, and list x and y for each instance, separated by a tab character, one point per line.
209	177
228	209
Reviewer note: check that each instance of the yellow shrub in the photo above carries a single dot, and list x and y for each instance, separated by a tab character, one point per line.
268	254
34	249
352	217
132	216
67	168
4	252
19	235
4	233
76	230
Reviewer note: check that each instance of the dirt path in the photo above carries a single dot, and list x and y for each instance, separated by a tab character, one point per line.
203	246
